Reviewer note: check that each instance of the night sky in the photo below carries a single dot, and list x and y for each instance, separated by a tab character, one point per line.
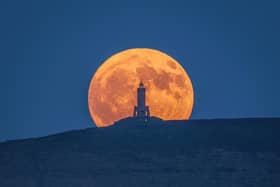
51	49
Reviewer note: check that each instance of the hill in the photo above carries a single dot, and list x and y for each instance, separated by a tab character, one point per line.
233	152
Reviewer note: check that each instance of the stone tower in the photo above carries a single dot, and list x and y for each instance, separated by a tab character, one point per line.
141	110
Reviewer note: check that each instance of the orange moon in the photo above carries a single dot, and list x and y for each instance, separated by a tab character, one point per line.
112	90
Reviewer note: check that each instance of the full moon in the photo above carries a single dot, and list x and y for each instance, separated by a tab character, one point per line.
112	91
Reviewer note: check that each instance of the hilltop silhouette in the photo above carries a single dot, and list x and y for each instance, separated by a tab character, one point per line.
240	152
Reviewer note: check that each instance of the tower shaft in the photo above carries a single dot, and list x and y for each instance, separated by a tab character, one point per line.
141	110
141	94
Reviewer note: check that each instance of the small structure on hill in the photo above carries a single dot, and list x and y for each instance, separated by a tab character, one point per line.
141	110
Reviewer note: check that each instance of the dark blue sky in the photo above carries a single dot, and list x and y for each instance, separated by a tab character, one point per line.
50	50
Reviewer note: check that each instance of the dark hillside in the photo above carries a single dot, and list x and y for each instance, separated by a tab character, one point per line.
233	152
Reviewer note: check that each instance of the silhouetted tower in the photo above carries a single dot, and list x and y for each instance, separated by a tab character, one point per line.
141	110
